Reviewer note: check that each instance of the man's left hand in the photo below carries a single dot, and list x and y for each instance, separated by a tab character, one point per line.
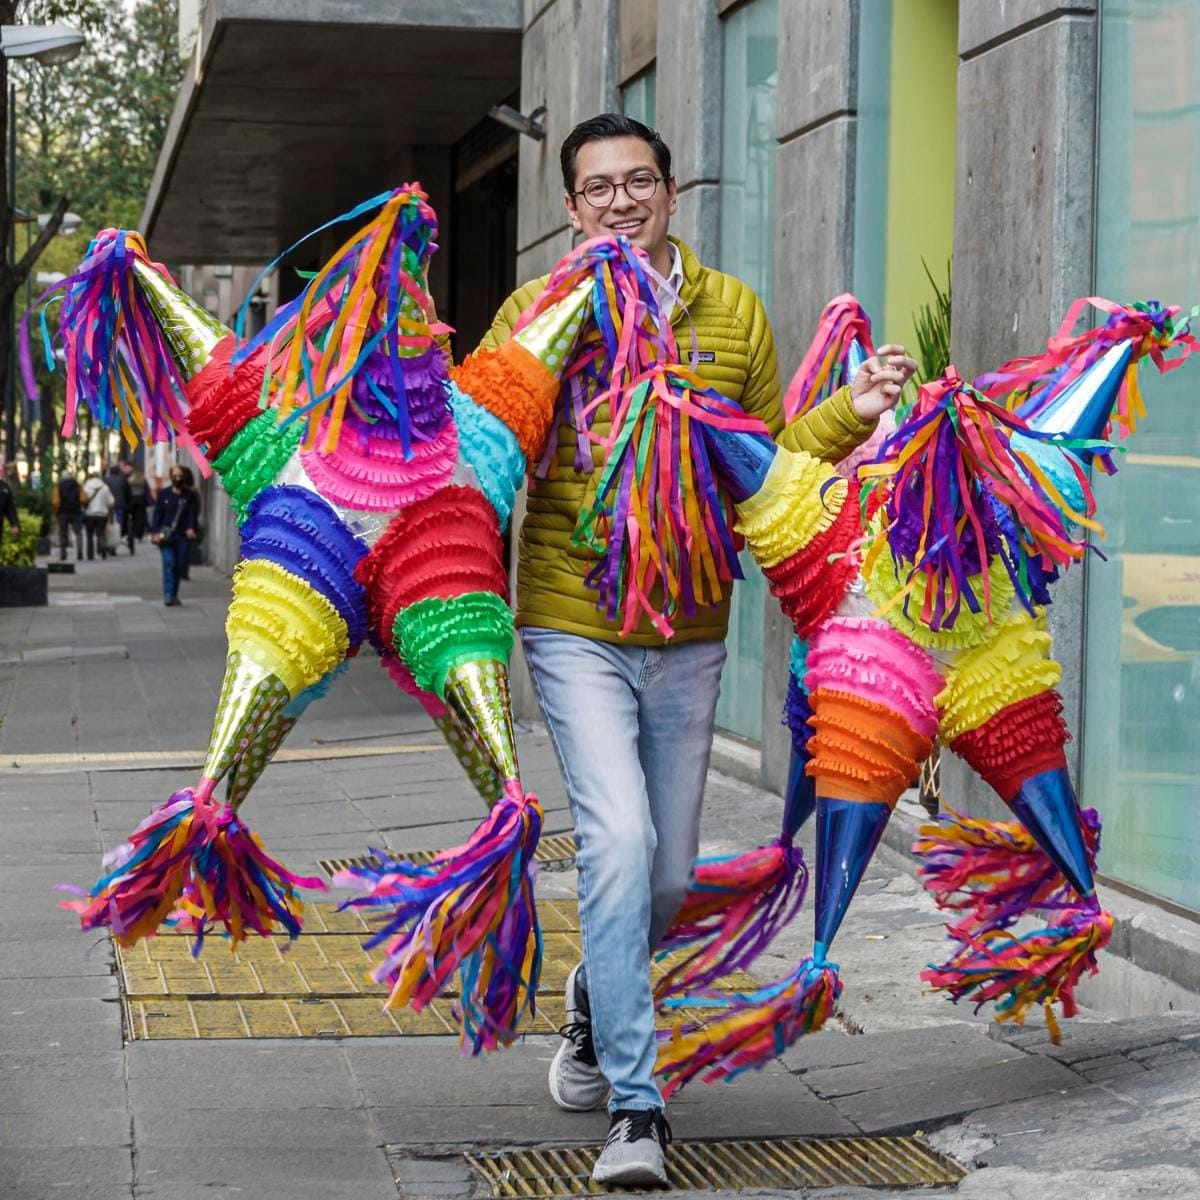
876	386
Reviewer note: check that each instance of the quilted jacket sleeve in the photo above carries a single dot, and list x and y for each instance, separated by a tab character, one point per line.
510	312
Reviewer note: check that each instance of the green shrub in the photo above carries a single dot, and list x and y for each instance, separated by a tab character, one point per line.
21	551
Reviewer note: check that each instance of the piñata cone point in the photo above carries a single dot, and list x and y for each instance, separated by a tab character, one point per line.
245	770
550	337
251	698
478	697
472	756
191	331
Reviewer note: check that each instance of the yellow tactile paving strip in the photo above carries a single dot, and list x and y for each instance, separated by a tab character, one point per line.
317	986
108	758
554	848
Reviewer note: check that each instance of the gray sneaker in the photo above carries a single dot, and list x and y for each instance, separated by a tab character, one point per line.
576	1081
635	1152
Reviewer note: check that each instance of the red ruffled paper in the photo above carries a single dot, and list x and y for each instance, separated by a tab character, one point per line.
222	398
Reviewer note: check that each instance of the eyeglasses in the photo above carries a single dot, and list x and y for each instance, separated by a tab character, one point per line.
600	193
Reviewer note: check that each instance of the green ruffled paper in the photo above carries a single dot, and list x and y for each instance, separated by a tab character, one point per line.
254	457
435	636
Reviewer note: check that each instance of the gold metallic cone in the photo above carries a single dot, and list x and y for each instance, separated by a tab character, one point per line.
250	697
472	756
551	337
244	773
477	695
190	329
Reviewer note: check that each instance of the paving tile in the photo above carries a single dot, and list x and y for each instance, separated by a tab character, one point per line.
247	1127
66	1173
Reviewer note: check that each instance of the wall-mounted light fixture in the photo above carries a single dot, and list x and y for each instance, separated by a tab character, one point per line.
530	126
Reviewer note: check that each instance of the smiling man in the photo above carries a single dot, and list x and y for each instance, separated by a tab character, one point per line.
631	718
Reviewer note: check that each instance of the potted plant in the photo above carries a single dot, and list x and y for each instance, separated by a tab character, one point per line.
22	583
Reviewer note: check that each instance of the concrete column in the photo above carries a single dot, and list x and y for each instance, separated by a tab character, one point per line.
814	243
688	69
1023	227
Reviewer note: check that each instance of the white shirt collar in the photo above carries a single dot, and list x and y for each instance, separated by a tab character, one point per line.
674	278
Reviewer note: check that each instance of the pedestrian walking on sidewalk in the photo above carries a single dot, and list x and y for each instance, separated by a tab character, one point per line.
173	529
8	511
631	718
98	506
69	507
136	514
118	484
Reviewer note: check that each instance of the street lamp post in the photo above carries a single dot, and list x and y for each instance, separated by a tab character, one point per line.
51	45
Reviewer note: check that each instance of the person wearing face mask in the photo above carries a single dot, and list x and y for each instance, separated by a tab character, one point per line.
173	529
632	717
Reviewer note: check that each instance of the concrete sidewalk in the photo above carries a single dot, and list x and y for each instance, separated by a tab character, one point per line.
107	670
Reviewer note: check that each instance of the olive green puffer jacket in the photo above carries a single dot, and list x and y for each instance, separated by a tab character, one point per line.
737	353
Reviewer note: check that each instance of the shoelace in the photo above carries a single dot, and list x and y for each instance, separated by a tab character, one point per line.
631	1125
579	1034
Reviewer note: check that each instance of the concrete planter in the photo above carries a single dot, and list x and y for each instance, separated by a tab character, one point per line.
24	587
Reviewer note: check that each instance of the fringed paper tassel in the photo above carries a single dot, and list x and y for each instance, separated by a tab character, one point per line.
193	862
752	1028
470	910
840	346
994	872
734	910
1018	972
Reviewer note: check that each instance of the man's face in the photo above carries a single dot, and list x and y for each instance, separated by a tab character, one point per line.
618	160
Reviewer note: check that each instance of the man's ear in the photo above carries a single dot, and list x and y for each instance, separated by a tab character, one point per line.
672	196
572	212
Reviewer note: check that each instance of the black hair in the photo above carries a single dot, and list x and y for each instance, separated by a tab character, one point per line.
610	125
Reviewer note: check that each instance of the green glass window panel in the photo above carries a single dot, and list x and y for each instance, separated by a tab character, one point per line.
638	97
750	42
1141	753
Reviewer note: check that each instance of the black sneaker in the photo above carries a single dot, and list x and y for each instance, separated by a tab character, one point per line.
576	1082
635	1152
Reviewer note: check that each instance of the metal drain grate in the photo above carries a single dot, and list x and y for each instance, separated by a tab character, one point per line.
553	851
883	1162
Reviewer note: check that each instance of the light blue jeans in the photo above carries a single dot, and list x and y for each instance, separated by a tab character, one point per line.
633	730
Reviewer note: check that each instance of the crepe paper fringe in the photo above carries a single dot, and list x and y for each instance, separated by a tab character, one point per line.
470	911
811	583
752	1029
862	749
797	711
367	306
1022	740
437	635
253	459
824	367
373	473
488	446
800	499
118	362
942	471
297	530
1013	665
444	546
994	872
1018	972
1156	330
283	623
657	523
735	908
866	657
901	605
515	388
223	399
194	860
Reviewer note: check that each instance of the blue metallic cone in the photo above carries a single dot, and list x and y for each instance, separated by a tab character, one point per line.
1046	806
1083	410
741	460
847	833
855	357
800	800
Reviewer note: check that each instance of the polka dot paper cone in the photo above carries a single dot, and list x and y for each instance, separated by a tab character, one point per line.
251	697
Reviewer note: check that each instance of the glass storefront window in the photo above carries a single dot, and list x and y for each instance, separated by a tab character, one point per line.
750	41
638	97
1141	756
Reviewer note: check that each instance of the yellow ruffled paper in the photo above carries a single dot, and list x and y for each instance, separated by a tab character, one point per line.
789	510
279	621
886	583
1013	665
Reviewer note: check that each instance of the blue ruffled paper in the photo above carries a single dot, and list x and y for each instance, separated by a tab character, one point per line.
490	448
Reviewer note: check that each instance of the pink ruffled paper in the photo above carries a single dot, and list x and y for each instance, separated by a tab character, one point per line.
402	677
370	473
868	658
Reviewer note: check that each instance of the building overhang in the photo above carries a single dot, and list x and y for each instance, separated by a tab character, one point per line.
291	111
